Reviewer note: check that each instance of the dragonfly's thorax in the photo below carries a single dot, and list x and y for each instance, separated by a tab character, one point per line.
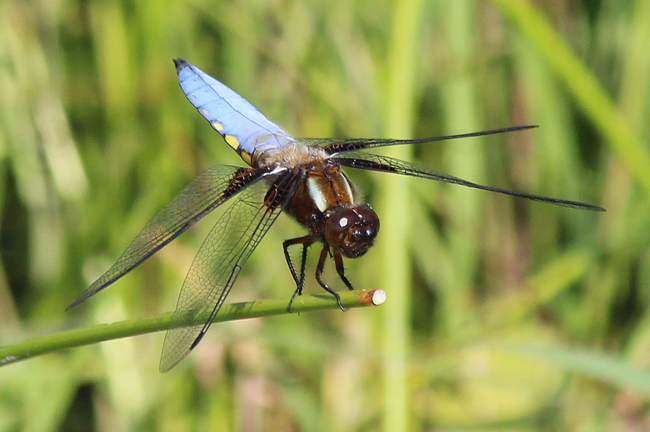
290	155
325	203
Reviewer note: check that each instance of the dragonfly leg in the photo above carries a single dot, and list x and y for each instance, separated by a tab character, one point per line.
306	241
319	273
340	269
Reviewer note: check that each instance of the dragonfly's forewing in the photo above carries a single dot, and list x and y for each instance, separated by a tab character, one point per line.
338	146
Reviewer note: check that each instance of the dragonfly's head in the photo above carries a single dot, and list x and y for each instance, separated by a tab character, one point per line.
351	229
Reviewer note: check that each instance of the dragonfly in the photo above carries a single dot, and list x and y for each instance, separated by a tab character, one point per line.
301	177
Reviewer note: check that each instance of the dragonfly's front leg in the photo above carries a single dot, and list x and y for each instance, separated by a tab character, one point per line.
319	273
340	269
306	241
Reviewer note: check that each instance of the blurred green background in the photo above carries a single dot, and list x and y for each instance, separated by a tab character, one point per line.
502	314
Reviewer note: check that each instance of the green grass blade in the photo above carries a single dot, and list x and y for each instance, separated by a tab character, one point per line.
229	312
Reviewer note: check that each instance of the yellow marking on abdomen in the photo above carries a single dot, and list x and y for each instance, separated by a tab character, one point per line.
232	141
246	156
217	126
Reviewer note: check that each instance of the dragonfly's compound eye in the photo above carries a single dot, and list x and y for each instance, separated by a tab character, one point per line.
352	230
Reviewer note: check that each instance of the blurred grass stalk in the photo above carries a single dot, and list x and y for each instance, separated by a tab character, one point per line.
395	210
464	205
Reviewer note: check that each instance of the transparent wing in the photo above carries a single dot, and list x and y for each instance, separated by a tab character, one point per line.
373	162
206	192
338	146
219	261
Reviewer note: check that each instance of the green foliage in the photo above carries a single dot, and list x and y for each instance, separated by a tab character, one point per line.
502	314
